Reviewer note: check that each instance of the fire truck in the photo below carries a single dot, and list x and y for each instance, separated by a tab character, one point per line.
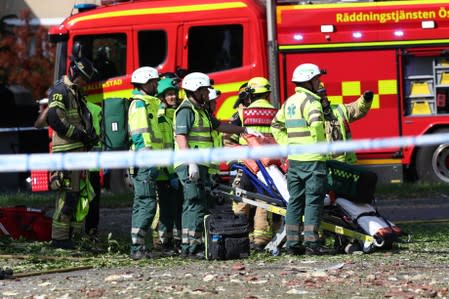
397	49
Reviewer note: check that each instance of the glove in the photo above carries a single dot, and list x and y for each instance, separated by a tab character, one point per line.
94	139
253	132
194	172
82	136
368	95
174	182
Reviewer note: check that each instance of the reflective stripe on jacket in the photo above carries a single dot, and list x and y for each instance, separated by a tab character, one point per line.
200	135
300	121
165	120
143	124
345	114
258	115
65	97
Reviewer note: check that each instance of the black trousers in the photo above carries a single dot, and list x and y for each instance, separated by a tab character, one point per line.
93	217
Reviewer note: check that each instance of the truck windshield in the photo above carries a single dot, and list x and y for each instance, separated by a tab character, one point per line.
106	51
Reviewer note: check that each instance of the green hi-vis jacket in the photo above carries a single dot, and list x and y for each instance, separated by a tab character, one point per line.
143	124
300	121
200	135
165	120
344	114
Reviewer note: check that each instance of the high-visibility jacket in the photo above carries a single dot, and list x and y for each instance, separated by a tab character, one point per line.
69	99
339	119
300	121
95	111
214	167
165	120
200	135
143	123
258	115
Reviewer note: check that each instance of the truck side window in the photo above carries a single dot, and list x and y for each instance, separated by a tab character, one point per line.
107	51
215	48
152	47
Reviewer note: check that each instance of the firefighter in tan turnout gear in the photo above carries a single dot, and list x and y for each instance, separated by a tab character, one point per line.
73	131
258	115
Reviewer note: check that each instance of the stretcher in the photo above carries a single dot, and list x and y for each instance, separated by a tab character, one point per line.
353	225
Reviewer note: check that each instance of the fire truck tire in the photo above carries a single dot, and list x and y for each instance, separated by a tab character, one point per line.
120	181
432	162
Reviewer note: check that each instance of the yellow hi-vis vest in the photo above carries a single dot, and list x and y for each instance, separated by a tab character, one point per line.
200	135
143	123
341	113
258	115
165	119
214	167
300	121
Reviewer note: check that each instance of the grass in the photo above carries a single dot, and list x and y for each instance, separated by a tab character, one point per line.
412	190
45	200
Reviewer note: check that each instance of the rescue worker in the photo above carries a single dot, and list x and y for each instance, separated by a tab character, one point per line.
243	100
93	216
258	115
193	129
73	131
300	121
145	135
214	168
168	185
337	118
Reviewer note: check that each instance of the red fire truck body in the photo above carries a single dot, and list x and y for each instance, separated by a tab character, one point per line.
399	50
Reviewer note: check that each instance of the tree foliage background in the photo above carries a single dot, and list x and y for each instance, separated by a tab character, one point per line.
27	55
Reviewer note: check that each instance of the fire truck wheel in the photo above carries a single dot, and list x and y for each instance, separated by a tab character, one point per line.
120	182
432	162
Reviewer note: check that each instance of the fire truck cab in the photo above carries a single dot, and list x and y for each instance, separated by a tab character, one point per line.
399	50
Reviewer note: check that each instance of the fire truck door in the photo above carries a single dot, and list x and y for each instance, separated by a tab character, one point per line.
349	74
109	51
221	48
156	46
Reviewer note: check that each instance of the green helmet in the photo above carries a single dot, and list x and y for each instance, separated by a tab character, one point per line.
166	84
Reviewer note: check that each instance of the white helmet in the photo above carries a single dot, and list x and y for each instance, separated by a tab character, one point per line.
143	74
213	94
195	80
305	72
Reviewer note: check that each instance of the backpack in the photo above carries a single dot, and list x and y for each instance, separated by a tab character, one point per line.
226	236
114	124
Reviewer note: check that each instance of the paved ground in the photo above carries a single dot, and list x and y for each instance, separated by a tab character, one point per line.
415	209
